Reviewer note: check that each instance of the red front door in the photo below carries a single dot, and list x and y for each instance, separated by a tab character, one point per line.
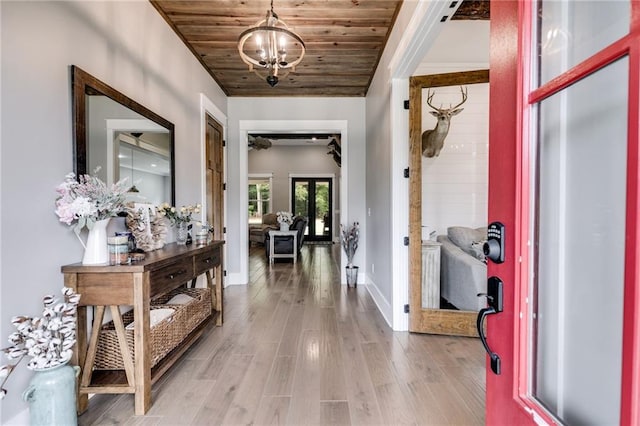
563	179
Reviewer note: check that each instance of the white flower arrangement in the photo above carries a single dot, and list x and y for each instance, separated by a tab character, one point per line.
178	215
285	217
349	240
48	340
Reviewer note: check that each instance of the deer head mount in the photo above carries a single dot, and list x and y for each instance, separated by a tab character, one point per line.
433	139
335	149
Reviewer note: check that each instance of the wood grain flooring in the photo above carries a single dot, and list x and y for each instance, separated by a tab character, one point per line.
298	348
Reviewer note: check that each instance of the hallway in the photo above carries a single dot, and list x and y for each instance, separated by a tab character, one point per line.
298	348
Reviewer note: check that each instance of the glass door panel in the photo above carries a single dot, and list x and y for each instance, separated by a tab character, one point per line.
570	32
579	240
301	200
322	213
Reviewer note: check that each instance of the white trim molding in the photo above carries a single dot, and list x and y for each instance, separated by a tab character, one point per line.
399	204
280	126
383	304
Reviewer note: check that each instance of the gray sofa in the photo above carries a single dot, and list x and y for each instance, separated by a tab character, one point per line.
463	273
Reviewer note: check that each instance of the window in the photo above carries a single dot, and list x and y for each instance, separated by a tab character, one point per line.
259	199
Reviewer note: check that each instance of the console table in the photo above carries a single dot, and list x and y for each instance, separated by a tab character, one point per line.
136	285
272	253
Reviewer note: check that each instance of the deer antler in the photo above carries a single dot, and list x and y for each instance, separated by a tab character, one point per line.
464	98
430	97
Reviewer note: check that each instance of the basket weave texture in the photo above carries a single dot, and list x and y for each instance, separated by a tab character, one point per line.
165	335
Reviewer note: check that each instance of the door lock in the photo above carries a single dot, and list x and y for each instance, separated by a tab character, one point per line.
494	297
494	247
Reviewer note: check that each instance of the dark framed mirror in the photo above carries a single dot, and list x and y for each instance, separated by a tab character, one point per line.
119	138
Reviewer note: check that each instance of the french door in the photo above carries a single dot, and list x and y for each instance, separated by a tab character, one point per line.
312	197
563	180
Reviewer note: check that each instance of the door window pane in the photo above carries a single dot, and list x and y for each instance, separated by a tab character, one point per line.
571	31
579	237
322	208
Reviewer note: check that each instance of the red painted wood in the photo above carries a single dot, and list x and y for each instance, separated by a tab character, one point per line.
617	50
504	177
509	181
630	404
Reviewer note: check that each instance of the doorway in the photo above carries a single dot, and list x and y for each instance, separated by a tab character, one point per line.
312	197
276	126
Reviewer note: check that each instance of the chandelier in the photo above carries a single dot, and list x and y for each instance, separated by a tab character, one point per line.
270	48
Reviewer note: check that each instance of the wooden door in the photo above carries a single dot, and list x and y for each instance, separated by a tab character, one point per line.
563	179
426	317
215	177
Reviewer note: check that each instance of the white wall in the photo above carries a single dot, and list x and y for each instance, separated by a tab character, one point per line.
455	183
298	110
125	44
419	44
379	180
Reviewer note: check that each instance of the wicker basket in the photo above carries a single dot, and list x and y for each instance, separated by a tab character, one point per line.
165	335
195	311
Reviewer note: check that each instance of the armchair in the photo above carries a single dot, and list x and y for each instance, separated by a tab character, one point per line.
284	244
257	232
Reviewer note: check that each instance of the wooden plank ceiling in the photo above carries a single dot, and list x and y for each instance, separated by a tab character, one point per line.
344	41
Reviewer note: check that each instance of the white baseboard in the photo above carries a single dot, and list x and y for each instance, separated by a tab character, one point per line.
234	279
381	302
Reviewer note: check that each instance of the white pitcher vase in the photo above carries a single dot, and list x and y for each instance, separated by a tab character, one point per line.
95	250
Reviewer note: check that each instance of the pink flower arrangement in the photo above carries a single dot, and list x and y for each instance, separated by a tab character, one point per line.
83	201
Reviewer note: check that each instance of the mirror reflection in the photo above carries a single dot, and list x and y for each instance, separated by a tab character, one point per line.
122	139
144	159
455	141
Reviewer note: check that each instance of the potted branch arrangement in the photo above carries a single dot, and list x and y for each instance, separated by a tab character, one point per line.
349	240
48	340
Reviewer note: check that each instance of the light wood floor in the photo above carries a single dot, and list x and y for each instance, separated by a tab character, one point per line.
298	348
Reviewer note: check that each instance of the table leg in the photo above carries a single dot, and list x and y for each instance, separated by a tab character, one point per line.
271	245
142	332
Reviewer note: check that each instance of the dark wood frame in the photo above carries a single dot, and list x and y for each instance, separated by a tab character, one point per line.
82	84
436	321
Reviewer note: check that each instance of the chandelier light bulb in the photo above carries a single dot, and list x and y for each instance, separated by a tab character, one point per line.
275	43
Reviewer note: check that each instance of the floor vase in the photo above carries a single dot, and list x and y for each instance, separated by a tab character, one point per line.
95	251
51	395
352	276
